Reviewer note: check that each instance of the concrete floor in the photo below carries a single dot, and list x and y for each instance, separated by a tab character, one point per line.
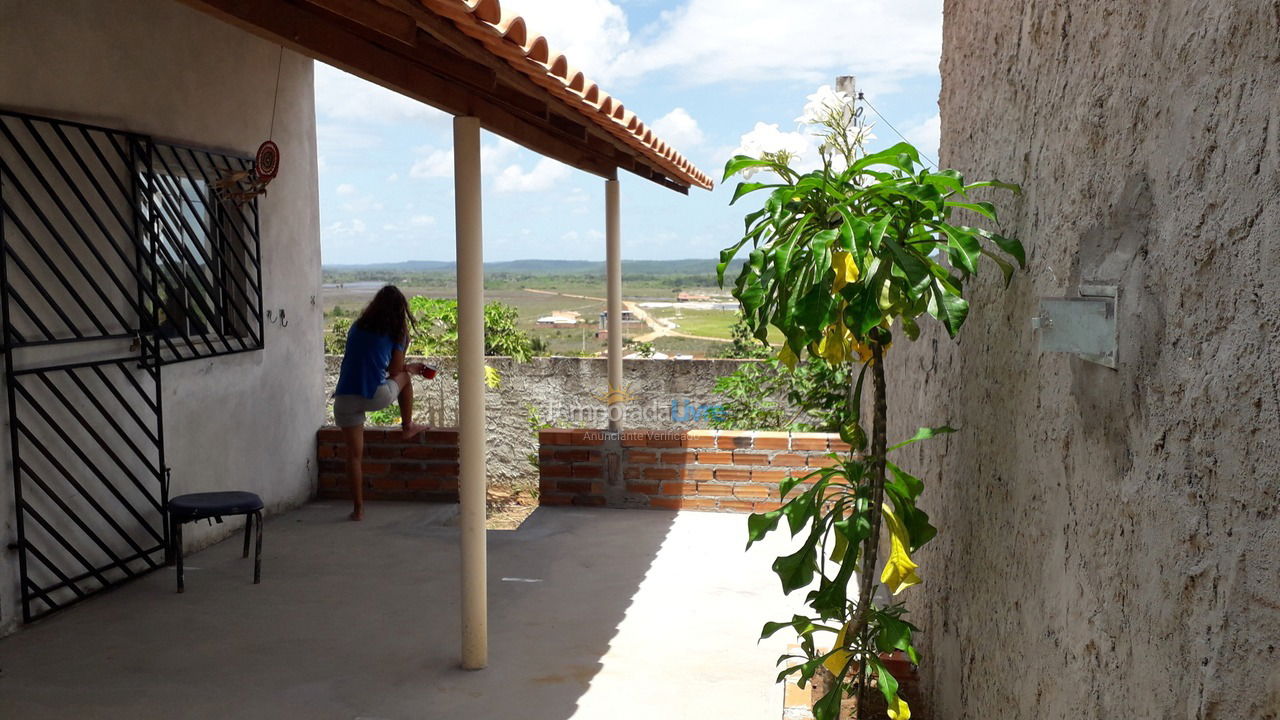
593	614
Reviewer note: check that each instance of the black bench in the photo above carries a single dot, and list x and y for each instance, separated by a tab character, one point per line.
214	506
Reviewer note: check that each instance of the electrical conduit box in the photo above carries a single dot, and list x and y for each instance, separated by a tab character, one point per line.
1084	326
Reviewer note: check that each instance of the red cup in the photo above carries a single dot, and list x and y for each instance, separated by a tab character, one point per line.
428	372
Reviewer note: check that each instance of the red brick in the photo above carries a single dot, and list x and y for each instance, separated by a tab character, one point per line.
838	445
741	506
586	437
769	506
697	503
679	457
677	488
667	503
553	499
590	500
749	458
769	475
634	438
660	473
700	438
789	460
734	439
753	492
547	485
427	452
714	489
733	474
574	455
329	435
715	458
591	471
385	483
771	440
439	469
333	466
554	437
818	460
378	468
446	438
642	456
644	488
423	483
326	451
667	440
633	473
579	487
555	470
384	452
809	441
695	473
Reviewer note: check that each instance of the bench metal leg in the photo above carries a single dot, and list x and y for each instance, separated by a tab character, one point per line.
177	550
257	553
248	528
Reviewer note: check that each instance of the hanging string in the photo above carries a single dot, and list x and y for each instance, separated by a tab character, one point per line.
275	97
926	158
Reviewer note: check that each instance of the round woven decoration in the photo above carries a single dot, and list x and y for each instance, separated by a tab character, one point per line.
267	162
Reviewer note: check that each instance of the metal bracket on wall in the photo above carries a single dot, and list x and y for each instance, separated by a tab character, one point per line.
1084	326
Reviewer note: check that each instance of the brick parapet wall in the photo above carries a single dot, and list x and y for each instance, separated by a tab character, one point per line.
424	468
718	470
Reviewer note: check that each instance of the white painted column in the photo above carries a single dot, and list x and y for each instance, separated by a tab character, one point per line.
613	275
471	413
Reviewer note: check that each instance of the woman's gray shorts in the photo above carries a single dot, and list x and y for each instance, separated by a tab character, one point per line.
349	410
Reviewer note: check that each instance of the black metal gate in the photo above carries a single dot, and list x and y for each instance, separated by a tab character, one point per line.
119	256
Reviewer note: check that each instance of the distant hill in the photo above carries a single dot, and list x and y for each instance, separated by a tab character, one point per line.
688	266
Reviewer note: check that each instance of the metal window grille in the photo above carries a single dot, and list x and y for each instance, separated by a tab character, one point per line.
117	256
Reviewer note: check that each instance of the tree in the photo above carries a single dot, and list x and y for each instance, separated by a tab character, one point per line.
841	259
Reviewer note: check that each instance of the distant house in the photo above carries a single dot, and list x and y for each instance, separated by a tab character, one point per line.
556	321
692	297
628	318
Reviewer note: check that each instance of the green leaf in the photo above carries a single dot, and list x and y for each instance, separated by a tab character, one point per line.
877	232
983	208
887	682
1015	189
1011	246
915	268
738	163
951	309
966	246
746	188
761	524
796	570
924	433
1006	269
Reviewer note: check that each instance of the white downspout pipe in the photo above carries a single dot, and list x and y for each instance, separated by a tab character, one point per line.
613	274
471	413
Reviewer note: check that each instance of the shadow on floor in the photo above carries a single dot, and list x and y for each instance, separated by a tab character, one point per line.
593	614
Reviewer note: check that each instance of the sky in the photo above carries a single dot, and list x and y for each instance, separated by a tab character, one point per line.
709	76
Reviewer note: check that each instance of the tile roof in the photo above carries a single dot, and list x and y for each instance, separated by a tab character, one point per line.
506	35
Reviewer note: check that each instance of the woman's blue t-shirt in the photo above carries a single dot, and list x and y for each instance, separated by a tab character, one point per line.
364	366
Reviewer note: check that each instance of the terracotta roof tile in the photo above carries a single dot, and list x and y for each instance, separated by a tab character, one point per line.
506	35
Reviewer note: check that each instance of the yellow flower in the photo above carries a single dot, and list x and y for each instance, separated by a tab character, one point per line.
899	572
846	269
835	663
835	343
899	710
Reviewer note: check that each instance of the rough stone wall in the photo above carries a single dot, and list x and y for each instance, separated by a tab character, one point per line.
563	392
1110	545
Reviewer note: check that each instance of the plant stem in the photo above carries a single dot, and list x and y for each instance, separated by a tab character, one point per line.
871	546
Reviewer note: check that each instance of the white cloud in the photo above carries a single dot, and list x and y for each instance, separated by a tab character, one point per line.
766	137
343	96
590	33
421	220
437	163
346	189
927	136
679	129
710	41
544	175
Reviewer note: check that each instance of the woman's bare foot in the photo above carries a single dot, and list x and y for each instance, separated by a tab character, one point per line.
357	514
412	430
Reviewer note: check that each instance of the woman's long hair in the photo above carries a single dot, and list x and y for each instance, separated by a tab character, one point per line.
387	314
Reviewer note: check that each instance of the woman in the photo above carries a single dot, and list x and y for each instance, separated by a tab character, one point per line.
373	375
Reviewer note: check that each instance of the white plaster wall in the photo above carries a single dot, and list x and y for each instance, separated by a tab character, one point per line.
157	67
1109	539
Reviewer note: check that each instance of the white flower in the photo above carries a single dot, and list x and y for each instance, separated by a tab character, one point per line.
825	104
